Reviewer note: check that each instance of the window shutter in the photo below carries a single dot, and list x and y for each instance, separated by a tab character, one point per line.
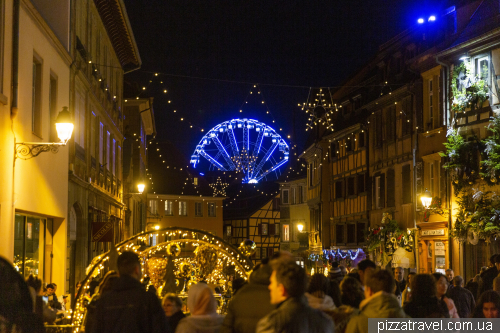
259	229
391	195
382	190
272	229
406	178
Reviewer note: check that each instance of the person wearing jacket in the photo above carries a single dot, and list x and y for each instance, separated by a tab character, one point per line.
250	304
128	307
379	302
317	294
203	307
287	286
487	277
423	302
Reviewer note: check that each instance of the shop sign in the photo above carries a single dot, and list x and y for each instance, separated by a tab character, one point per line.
439	249
102	231
437	232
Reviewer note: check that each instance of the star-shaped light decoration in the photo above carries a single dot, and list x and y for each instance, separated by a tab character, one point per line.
219	187
320	108
244	162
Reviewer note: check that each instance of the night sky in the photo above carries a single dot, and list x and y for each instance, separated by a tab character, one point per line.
209	53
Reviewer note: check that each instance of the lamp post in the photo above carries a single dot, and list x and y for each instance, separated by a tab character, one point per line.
426	199
64	128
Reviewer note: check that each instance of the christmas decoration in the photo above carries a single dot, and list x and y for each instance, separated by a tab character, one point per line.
219	187
173	250
320	108
248	247
206	258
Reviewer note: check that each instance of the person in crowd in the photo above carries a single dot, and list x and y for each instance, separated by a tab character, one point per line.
105	286
128	307
242	313
343	270
463	299
334	293
400	281
423	302
336	273
496	284
484	268
352	294
172	305
488	305
41	306
52	297
405	297
355	275
450	274
486	282
203	308
379	302
442	288
287	286
238	283
473	285
365	266
317	293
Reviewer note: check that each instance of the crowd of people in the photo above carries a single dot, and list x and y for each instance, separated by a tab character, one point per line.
280	297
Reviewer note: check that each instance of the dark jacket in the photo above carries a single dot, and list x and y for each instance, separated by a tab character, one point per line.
174	320
249	305
464	301
431	307
295	316
487	278
336	275
128	308
400	287
473	287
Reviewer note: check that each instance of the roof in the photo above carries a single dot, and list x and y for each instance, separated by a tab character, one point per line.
115	19
170	172
246	199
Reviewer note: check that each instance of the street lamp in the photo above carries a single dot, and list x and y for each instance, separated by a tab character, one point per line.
64	128
300	227
426	199
140	188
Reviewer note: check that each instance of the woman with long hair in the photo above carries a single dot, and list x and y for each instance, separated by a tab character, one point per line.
442	288
424	302
317	293
488	305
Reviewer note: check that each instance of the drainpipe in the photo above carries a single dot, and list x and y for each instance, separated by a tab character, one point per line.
446	82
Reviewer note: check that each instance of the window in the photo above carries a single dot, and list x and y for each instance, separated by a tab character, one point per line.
101	142
482	68
284	199
36	95
300	198
195	181
361	183
30	239
108	150
264	231
169	207
361	140
228	230
113	157
380	191
211	209
430	125
351	189
351	233
340	234
79	119
338	189
263	252
182	208
198	209
153	207
53	109
93	123
293	195
406	178
153	240
286	233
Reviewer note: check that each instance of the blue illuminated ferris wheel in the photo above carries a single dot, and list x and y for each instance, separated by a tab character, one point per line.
243	145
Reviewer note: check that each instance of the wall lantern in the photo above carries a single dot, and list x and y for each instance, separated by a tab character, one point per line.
426	199
64	128
140	188
300	227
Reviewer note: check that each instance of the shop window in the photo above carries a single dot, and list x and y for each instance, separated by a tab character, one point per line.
29	246
284	198
169	207
198	209
182	208
211	209
286	233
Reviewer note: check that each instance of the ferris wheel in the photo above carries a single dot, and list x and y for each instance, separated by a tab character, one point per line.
243	145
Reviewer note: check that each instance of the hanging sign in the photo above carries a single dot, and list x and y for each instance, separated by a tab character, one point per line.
439	249
102	231
438	232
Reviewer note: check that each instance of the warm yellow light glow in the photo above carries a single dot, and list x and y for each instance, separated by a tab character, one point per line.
140	188
64	126
426	199
300	227
157	227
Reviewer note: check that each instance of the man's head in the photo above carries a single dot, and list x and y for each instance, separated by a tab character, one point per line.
411	275
363	266
493	259
450	274
378	280
51	289
287	280
497	261
458	281
399	274
129	264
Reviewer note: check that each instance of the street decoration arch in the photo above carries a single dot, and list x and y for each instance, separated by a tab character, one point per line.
195	254
243	145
